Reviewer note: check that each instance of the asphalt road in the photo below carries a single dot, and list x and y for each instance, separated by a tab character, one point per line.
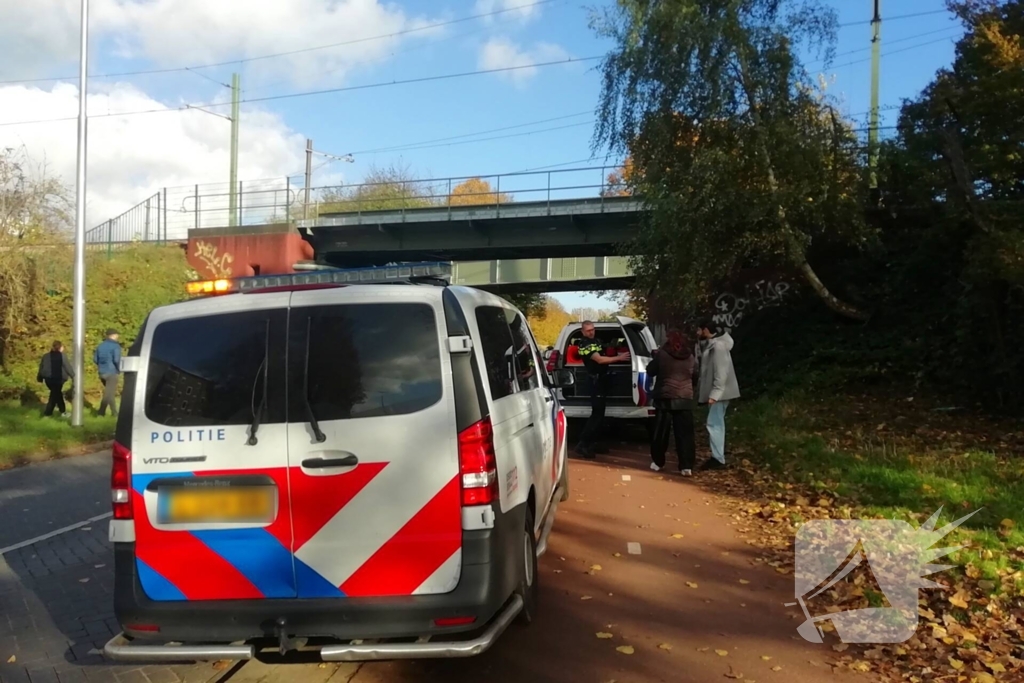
691	606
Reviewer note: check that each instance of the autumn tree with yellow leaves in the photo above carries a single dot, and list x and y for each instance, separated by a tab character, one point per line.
476	191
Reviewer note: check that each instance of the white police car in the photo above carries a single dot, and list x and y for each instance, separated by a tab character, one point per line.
368	461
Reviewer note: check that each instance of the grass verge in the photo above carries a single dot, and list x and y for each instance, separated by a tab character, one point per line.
894	458
27	436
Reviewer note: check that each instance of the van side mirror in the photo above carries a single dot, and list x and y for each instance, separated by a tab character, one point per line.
563	378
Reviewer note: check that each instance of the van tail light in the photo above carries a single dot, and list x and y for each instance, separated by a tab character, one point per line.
454	621
121	482
553	361
477	466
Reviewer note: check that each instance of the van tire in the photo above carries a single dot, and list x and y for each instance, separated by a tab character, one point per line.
527	589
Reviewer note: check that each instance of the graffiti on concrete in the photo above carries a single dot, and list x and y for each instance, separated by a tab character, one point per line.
219	265
731	307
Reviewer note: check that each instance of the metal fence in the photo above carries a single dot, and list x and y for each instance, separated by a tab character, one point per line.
168	215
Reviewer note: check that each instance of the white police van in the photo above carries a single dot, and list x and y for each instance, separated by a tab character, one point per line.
364	461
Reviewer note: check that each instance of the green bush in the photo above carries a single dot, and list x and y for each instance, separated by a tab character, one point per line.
122	287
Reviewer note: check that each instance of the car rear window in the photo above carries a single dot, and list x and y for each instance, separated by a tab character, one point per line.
208	370
364	360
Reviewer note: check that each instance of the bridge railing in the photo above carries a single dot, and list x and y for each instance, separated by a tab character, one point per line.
170	213
480	191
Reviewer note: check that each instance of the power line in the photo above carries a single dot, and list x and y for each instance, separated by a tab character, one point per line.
895	18
243	60
350	88
468	135
892	42
891	52
496	137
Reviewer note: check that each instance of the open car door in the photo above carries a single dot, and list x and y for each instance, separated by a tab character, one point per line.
641	343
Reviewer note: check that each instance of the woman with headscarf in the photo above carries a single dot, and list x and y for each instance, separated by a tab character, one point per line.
673	402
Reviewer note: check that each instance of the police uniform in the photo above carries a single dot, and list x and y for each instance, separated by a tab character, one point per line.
598	395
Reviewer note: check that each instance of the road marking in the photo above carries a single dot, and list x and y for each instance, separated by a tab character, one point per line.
633	548
55	532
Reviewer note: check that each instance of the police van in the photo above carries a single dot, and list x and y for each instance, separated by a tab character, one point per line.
365	462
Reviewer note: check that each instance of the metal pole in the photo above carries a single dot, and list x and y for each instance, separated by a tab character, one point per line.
165	214
78	401
309	177
288	200
876	48
239	221
197	207
233	212
145	230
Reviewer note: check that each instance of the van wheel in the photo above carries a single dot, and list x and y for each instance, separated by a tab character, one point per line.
528	579
563	481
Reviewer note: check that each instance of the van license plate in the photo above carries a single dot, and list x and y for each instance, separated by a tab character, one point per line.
254	504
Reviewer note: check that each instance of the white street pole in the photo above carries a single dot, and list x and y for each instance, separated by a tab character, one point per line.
78	403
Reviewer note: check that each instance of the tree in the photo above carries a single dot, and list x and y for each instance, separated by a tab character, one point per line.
476	191
35	212
548	325
739	159
619	181
387	188
529	304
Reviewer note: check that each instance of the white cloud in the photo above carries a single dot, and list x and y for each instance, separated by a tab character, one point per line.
131	157
42	35
523	10
502	53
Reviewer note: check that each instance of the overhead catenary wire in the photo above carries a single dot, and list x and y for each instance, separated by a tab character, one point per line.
891	52
408	145
327	91
287	53
898	17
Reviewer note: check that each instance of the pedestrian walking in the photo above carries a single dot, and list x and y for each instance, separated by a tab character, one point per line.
54	370
672	366
596	365
108	361
718	386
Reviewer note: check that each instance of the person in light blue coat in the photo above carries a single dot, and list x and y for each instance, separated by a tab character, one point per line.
108	361
718	385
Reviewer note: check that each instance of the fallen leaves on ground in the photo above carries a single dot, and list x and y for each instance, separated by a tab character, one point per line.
971	631
604	635
733	673
721	653
625	649
691	584
12	659
677	536
665	646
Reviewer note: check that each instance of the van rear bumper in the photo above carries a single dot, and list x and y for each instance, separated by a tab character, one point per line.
490	574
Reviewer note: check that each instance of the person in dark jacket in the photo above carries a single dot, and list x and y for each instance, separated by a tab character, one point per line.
54	370
673	366
108	361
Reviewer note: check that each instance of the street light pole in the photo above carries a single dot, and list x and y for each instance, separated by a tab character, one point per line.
876	47
78	402
234	218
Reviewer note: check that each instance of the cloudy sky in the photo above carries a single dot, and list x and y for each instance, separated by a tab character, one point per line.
364	52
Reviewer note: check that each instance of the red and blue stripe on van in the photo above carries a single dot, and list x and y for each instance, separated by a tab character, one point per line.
254	563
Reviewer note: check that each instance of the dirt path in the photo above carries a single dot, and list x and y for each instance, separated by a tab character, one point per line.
644	600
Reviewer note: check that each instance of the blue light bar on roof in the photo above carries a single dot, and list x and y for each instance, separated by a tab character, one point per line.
342	276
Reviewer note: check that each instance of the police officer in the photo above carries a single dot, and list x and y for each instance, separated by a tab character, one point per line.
597	367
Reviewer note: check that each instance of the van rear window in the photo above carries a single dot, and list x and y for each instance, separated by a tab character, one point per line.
364	360
208	370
